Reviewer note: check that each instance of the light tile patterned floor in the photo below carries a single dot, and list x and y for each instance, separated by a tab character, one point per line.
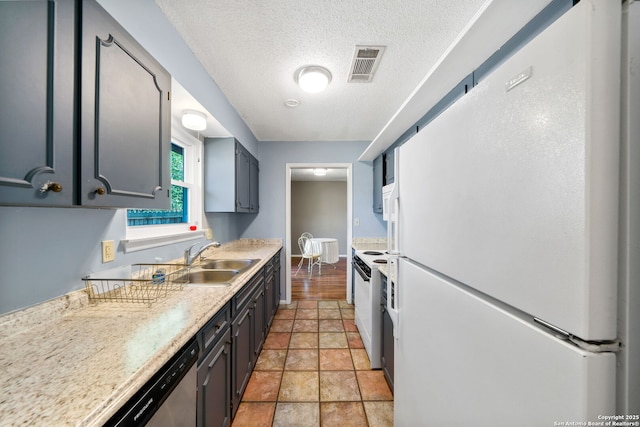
314	371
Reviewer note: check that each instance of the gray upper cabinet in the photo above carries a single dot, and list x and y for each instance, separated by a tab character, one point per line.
230	177
378	182
37	92
243	179
254	173
389	173
87	118
126	118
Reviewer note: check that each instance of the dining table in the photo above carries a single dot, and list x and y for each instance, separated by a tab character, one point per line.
329	249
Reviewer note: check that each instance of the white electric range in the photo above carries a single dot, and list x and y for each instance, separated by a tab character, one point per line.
367	284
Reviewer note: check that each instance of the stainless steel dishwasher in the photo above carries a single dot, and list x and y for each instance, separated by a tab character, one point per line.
169	399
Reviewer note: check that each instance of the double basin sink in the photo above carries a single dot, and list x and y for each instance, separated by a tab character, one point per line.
220	272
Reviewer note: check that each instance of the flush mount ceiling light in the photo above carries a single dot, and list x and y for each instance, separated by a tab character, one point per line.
194	120
320	172
313	79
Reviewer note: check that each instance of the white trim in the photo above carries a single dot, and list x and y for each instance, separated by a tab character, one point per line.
134	245
151	236
289	166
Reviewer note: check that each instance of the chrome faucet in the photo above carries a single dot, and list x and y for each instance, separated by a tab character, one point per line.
188	258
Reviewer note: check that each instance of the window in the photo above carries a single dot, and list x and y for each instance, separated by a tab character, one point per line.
179	212
153	227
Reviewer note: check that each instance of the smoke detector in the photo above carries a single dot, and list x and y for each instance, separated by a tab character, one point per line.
365	62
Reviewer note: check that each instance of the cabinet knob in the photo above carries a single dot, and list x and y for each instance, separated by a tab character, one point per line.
51	186
100	191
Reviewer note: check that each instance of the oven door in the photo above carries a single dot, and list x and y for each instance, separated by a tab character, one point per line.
362	290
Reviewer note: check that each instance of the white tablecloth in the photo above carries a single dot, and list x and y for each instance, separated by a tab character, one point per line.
329	247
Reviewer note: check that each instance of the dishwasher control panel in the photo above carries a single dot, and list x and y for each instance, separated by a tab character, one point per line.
139	409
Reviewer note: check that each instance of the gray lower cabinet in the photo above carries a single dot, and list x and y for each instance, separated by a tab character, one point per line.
90	115
214	372
272	290
231	176
214	385
246	329
231	343
259	321
276	284
242	353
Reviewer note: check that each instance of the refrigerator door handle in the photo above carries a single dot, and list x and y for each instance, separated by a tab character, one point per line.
393	237
592	346
393	294
393	247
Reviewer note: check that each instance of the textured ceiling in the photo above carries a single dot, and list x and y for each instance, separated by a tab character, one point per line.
252	48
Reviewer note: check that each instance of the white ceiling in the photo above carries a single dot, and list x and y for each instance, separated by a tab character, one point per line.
182	100
252	48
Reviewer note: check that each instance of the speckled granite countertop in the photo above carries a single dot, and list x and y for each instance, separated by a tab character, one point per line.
68	363
369	243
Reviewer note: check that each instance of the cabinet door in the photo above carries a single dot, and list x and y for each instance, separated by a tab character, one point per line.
126	118
387	347
243	181
37	90
258	322
276	284
242	353
389	166
377	184
269	300
254	181
214	385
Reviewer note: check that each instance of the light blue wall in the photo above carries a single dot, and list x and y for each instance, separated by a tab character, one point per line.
273	156
44	252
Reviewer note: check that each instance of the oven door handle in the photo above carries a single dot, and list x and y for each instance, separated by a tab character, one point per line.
362	274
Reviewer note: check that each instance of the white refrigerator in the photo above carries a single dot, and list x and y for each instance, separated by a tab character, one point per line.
504	237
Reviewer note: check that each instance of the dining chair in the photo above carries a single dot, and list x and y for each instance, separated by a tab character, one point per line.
307	235
309	250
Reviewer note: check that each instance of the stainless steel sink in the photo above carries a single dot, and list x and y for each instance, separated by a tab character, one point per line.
227	264
203	277
215	272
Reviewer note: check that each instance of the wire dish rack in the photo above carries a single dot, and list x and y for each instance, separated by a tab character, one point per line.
137	283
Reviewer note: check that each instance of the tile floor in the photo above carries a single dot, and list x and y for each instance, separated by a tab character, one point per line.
314	371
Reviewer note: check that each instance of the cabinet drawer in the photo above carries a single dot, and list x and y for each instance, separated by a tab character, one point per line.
244	296
214	329
269	266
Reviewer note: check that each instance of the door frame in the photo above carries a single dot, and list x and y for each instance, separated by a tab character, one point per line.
289	167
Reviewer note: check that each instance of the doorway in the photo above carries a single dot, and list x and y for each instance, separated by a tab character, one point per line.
291	244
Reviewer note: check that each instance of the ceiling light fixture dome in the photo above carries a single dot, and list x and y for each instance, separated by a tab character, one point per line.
313	78
320	171
194	120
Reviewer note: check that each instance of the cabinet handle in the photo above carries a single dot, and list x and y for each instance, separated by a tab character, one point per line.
100	191
51	186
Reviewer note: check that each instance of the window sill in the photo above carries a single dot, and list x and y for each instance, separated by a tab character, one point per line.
140	244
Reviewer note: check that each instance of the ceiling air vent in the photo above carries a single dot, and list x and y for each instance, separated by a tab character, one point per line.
365	62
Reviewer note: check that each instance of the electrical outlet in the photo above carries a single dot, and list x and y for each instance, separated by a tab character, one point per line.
356	222
108	251
208	234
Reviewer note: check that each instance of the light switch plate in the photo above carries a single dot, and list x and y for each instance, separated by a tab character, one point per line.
108	251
